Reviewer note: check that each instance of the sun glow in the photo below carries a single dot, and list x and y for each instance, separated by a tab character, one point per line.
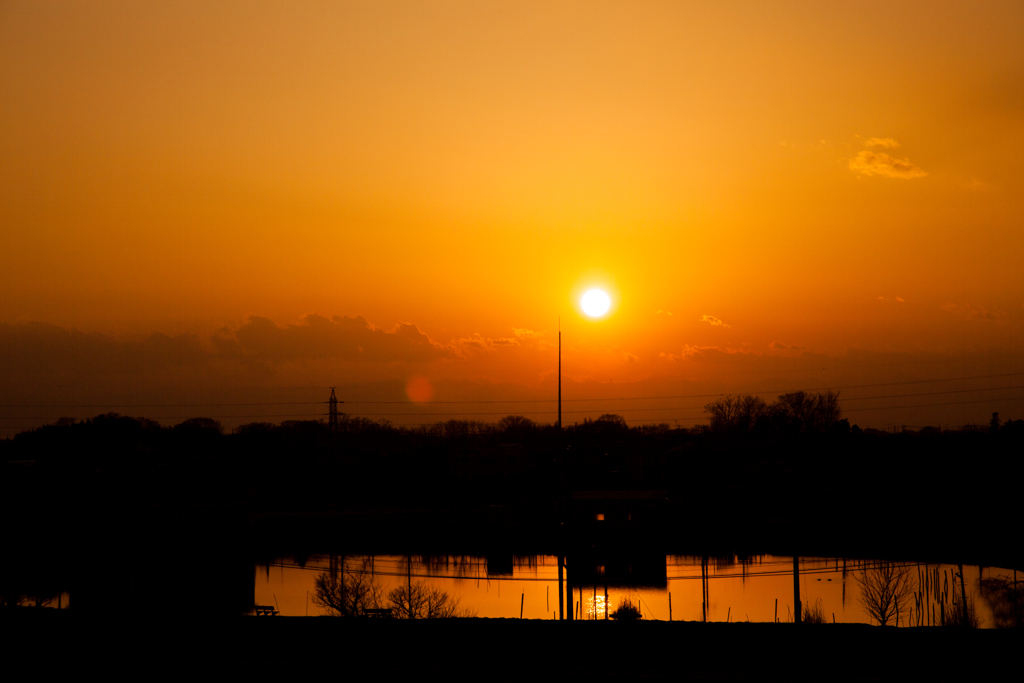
595	303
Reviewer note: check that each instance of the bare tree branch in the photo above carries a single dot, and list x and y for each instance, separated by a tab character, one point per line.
885	590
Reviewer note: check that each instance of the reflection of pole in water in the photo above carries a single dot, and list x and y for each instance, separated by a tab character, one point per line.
561	597
703	588
844	583
796	590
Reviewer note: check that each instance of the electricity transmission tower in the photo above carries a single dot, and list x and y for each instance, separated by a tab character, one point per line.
332	411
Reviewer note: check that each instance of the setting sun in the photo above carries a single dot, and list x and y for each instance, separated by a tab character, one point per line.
595	303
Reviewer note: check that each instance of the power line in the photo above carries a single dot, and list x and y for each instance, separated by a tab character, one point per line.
509	401
933	405
552	412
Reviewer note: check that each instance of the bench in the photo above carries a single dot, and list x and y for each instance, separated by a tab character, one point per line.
264	610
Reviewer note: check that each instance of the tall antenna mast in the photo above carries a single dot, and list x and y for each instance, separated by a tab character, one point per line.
559	372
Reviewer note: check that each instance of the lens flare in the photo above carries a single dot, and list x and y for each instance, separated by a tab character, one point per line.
419	389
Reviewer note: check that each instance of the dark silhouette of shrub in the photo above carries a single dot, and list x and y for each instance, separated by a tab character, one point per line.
626	611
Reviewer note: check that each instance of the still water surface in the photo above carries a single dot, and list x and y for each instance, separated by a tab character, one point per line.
758	589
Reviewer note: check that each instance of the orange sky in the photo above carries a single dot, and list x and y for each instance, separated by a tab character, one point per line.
826	177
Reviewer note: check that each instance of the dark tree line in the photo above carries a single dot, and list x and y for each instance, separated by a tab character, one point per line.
796	412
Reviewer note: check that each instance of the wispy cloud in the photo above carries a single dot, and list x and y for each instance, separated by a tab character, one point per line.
972	311
888	143
476	343
868	163
776	346
715	322
689	352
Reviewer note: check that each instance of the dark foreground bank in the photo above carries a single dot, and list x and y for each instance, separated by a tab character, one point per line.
48	641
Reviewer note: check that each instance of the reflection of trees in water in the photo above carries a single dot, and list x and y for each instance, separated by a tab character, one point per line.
422	601
457	566
525	561
348	595
359	594
626	611
1006	599
813	612
886	589
15	599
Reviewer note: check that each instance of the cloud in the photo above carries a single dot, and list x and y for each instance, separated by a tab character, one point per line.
868	163
971	311
48	349
661	312
776	346
631	358
715	322
342	338
888	143
689	352
901	299
523	333
477	343
257	345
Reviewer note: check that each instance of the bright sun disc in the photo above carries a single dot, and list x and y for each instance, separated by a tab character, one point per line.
595	303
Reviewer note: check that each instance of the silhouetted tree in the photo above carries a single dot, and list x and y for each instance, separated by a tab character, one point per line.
885	590
515	426
723	413
736	414
347	595
612	420
421	601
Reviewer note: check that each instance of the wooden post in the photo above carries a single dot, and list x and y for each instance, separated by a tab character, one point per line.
522	600
796	590
670	605
606	601
776	610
